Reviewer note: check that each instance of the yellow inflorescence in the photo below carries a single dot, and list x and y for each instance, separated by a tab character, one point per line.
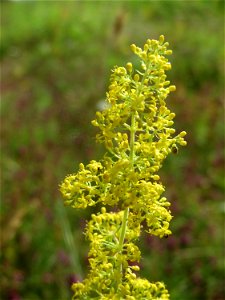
137	132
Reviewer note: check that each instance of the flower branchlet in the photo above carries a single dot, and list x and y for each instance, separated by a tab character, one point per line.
136	129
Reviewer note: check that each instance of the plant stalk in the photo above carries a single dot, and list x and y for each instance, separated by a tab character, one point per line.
126	211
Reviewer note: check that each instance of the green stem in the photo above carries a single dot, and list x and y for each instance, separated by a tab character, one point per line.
123	229
126	211
132	138
132	153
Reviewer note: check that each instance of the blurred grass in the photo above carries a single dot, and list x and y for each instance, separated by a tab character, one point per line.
56	59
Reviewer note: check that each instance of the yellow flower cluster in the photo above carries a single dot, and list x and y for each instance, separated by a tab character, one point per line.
136	129
105	279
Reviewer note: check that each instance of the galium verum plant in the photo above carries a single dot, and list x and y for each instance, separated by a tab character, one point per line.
136	129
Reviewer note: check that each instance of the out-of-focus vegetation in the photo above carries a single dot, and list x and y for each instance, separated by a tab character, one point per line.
56	59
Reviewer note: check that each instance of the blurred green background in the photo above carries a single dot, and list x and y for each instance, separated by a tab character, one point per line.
56	59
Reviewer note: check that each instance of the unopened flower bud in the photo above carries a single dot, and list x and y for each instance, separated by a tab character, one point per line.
129	67
172	88
161	39
136	77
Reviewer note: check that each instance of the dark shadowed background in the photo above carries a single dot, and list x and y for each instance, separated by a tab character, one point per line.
56	59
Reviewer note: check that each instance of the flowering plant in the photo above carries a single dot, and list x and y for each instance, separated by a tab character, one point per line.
136	129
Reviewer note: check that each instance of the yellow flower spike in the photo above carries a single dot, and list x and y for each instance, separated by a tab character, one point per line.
137	130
